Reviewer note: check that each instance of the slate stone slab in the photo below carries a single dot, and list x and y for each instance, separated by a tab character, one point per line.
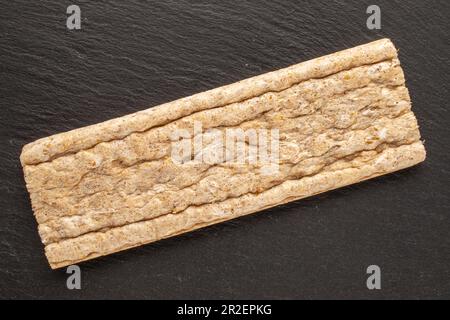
135	54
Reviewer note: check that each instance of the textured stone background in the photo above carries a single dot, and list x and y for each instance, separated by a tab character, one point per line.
135	54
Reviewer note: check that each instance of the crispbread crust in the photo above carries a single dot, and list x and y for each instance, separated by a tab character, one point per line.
343	118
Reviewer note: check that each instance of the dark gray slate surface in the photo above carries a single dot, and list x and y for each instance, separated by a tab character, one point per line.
134	54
